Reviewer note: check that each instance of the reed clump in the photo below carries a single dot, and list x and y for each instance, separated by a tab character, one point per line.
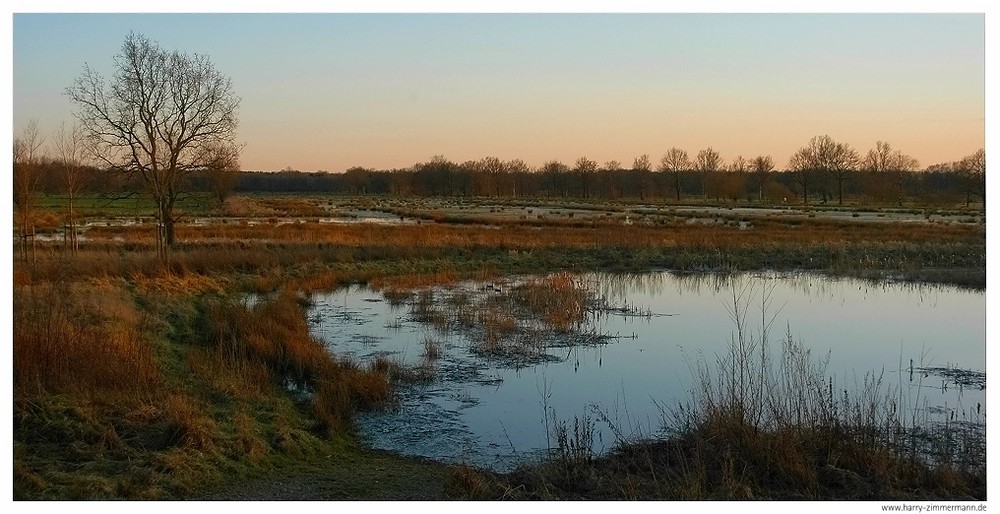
558	299
273	335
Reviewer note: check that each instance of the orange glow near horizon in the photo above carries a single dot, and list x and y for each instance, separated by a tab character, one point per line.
332	91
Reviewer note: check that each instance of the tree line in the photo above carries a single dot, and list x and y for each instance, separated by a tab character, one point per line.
818	173
822	172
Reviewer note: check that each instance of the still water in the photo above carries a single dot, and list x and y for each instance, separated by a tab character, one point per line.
499	412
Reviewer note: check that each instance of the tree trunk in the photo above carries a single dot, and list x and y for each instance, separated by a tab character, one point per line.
168	231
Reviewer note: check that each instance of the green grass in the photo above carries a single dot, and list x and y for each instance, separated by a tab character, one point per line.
97	205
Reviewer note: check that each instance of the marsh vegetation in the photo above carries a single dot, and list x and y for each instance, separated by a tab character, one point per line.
202	369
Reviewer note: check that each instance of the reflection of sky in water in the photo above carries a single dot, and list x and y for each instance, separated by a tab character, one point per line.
467	415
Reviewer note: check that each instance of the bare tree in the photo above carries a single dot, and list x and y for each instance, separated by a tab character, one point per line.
733	183
675	161
762	166
708	162
490	171
27	176
612	178
641	167
554	173
518	171
586	169
739	164
222	169
889	167
156	118
841	163
69	148
823	155
973	169
642	163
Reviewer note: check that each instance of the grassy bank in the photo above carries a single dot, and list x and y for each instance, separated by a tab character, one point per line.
124	394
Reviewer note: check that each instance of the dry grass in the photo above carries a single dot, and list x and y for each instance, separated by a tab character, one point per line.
297	207
558	299
517	236
314	256
188	425
272	338
85	340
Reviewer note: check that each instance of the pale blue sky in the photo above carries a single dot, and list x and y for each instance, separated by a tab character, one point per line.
329	91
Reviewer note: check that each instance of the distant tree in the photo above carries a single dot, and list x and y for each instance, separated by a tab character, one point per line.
554	176
435	177
487	176
888	168
972	167
734	183
356	180
222	168
708	163
823	156
27	177
761	166
642	163
675	162
804	167
585	169
739	164
157	118
611	179
518	171
69	147
641	168
400	182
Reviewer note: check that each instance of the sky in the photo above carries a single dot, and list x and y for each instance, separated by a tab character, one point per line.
331	91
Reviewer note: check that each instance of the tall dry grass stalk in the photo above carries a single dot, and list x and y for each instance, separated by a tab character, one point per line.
782	406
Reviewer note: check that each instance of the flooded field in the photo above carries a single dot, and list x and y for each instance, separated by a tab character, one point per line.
496	365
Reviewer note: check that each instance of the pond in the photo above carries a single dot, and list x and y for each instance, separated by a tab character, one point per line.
633	354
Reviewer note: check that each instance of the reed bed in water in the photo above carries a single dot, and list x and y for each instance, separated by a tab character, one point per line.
507	317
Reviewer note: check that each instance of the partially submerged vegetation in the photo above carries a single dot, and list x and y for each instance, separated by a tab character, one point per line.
124	362
762	423
515	320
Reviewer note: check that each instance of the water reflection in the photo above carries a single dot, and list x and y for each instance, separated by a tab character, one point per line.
655	328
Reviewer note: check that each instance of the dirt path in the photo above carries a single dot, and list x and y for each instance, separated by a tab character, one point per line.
358	475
